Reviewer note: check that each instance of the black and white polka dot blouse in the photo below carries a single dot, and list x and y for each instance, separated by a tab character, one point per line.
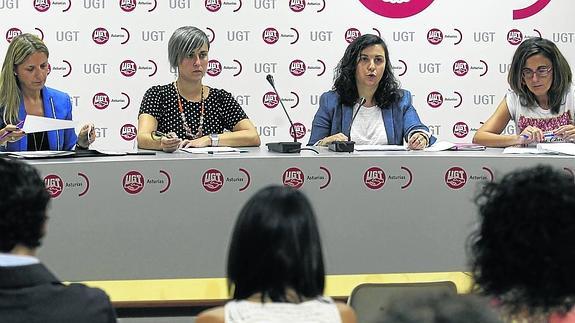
221	110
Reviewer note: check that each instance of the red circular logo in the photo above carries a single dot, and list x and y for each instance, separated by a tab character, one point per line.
42	5
128	5
455	177
434	99
213	180
514	37
460	67
396	9
271	100
297	67
128	68
100	35
214	68
128	132
293	177
54	185
434	36
270	35
298	130
101	101
133	182
213	5
374	178
351	34
13	33
297	5
460	129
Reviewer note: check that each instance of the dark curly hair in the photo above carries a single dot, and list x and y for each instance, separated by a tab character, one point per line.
23	205
523	251
387	91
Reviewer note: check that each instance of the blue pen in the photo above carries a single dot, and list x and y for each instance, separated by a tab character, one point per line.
547	135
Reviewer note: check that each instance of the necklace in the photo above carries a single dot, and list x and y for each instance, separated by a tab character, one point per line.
36	148
187	129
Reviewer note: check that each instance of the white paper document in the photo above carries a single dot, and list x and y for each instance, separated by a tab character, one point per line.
380	148
34	124
212	150
440	146
559	147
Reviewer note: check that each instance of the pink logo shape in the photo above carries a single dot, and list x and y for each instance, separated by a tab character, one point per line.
133	182
128	5
54	185
455	177
374	178
514	37
297	5
128	68
390	9
293	177
298	130
100	35
530	10
434	36
460	67
213	180
460	129
434	99
101	101
297	67
270	35
213	5
351	34
271	100
128	132
42	5
214	67
13	33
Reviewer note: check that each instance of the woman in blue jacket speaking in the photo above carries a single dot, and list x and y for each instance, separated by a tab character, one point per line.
386	117
23	92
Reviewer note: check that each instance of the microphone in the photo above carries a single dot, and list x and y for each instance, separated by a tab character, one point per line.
283	147
346	146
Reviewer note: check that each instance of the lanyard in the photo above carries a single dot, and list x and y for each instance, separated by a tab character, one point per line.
187	129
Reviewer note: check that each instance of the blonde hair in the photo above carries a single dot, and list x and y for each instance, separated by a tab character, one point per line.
19	50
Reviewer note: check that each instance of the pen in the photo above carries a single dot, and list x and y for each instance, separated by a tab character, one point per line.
20	124
547	135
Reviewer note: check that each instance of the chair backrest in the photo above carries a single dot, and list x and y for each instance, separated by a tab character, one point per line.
369	299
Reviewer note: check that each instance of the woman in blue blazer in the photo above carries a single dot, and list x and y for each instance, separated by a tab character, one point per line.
23	92
386	117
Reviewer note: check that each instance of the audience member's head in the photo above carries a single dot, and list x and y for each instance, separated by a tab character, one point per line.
523	252
438	308
23	206
275	250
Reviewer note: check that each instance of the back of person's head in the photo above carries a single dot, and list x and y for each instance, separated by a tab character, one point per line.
22	206
344	76
561	71
275	247
429	307
523	251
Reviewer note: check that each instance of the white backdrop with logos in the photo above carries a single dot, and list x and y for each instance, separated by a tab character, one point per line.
452	55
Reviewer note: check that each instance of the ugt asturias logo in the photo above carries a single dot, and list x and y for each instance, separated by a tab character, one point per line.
127	5
374	178
455	177
271	100
270	35
128	68
214	67
12	33
460	67
128	132
133	182
101	101
293	177
54	185
213	5
42	5
434	36
460	129
396	8
298	130
351	34
100	35
514	37
212	180
434	99
297	5
297	67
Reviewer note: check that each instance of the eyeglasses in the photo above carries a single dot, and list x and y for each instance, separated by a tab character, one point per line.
541	72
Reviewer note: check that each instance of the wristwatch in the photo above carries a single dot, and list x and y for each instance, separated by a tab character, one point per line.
215	138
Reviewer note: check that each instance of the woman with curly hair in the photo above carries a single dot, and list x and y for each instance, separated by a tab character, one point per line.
523	252
386	117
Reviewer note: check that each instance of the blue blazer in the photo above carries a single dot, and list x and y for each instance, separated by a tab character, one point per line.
57	105
332	117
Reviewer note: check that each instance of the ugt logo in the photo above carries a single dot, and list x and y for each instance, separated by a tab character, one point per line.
298	130
12	33
460	67
128	5
128	68
213	5
460	129
100	36
297	5
455	178
128	132
351	34
213	180
297	67
133	182
270	35
271	100
434	36
101	101
374	178
214	67
54	185
42	5
434	99
293	177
